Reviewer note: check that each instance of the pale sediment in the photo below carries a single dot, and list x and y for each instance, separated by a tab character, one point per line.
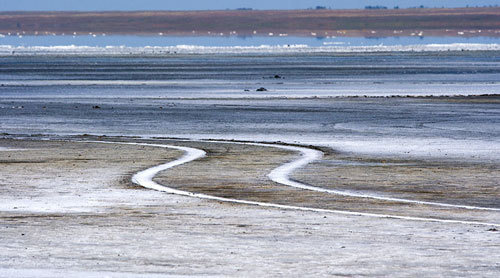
245	176
119	227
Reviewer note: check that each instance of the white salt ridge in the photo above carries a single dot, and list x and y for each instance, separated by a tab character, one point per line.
5	149
282	173
279	175
262	49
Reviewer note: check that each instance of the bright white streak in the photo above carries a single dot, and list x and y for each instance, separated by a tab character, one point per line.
145	178
282	175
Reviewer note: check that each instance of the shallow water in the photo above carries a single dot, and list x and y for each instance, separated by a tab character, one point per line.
102	40
237	76
206	96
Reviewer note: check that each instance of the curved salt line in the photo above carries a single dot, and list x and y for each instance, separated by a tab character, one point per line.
281	175
145	179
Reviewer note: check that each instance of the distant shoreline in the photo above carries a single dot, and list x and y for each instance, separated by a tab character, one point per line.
462	22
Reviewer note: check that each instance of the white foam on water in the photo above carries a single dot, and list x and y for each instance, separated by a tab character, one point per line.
262	49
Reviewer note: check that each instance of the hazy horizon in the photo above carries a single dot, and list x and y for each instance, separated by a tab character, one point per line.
117	5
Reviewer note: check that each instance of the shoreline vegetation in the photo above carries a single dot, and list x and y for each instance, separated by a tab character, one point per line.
466	22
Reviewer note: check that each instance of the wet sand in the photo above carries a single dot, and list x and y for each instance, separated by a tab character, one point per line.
69	208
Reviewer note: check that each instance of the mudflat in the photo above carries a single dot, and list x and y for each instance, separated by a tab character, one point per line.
70	208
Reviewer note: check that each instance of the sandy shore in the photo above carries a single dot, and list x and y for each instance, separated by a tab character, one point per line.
69	208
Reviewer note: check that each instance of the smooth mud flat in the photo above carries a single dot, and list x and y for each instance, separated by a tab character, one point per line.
70	209
364	162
